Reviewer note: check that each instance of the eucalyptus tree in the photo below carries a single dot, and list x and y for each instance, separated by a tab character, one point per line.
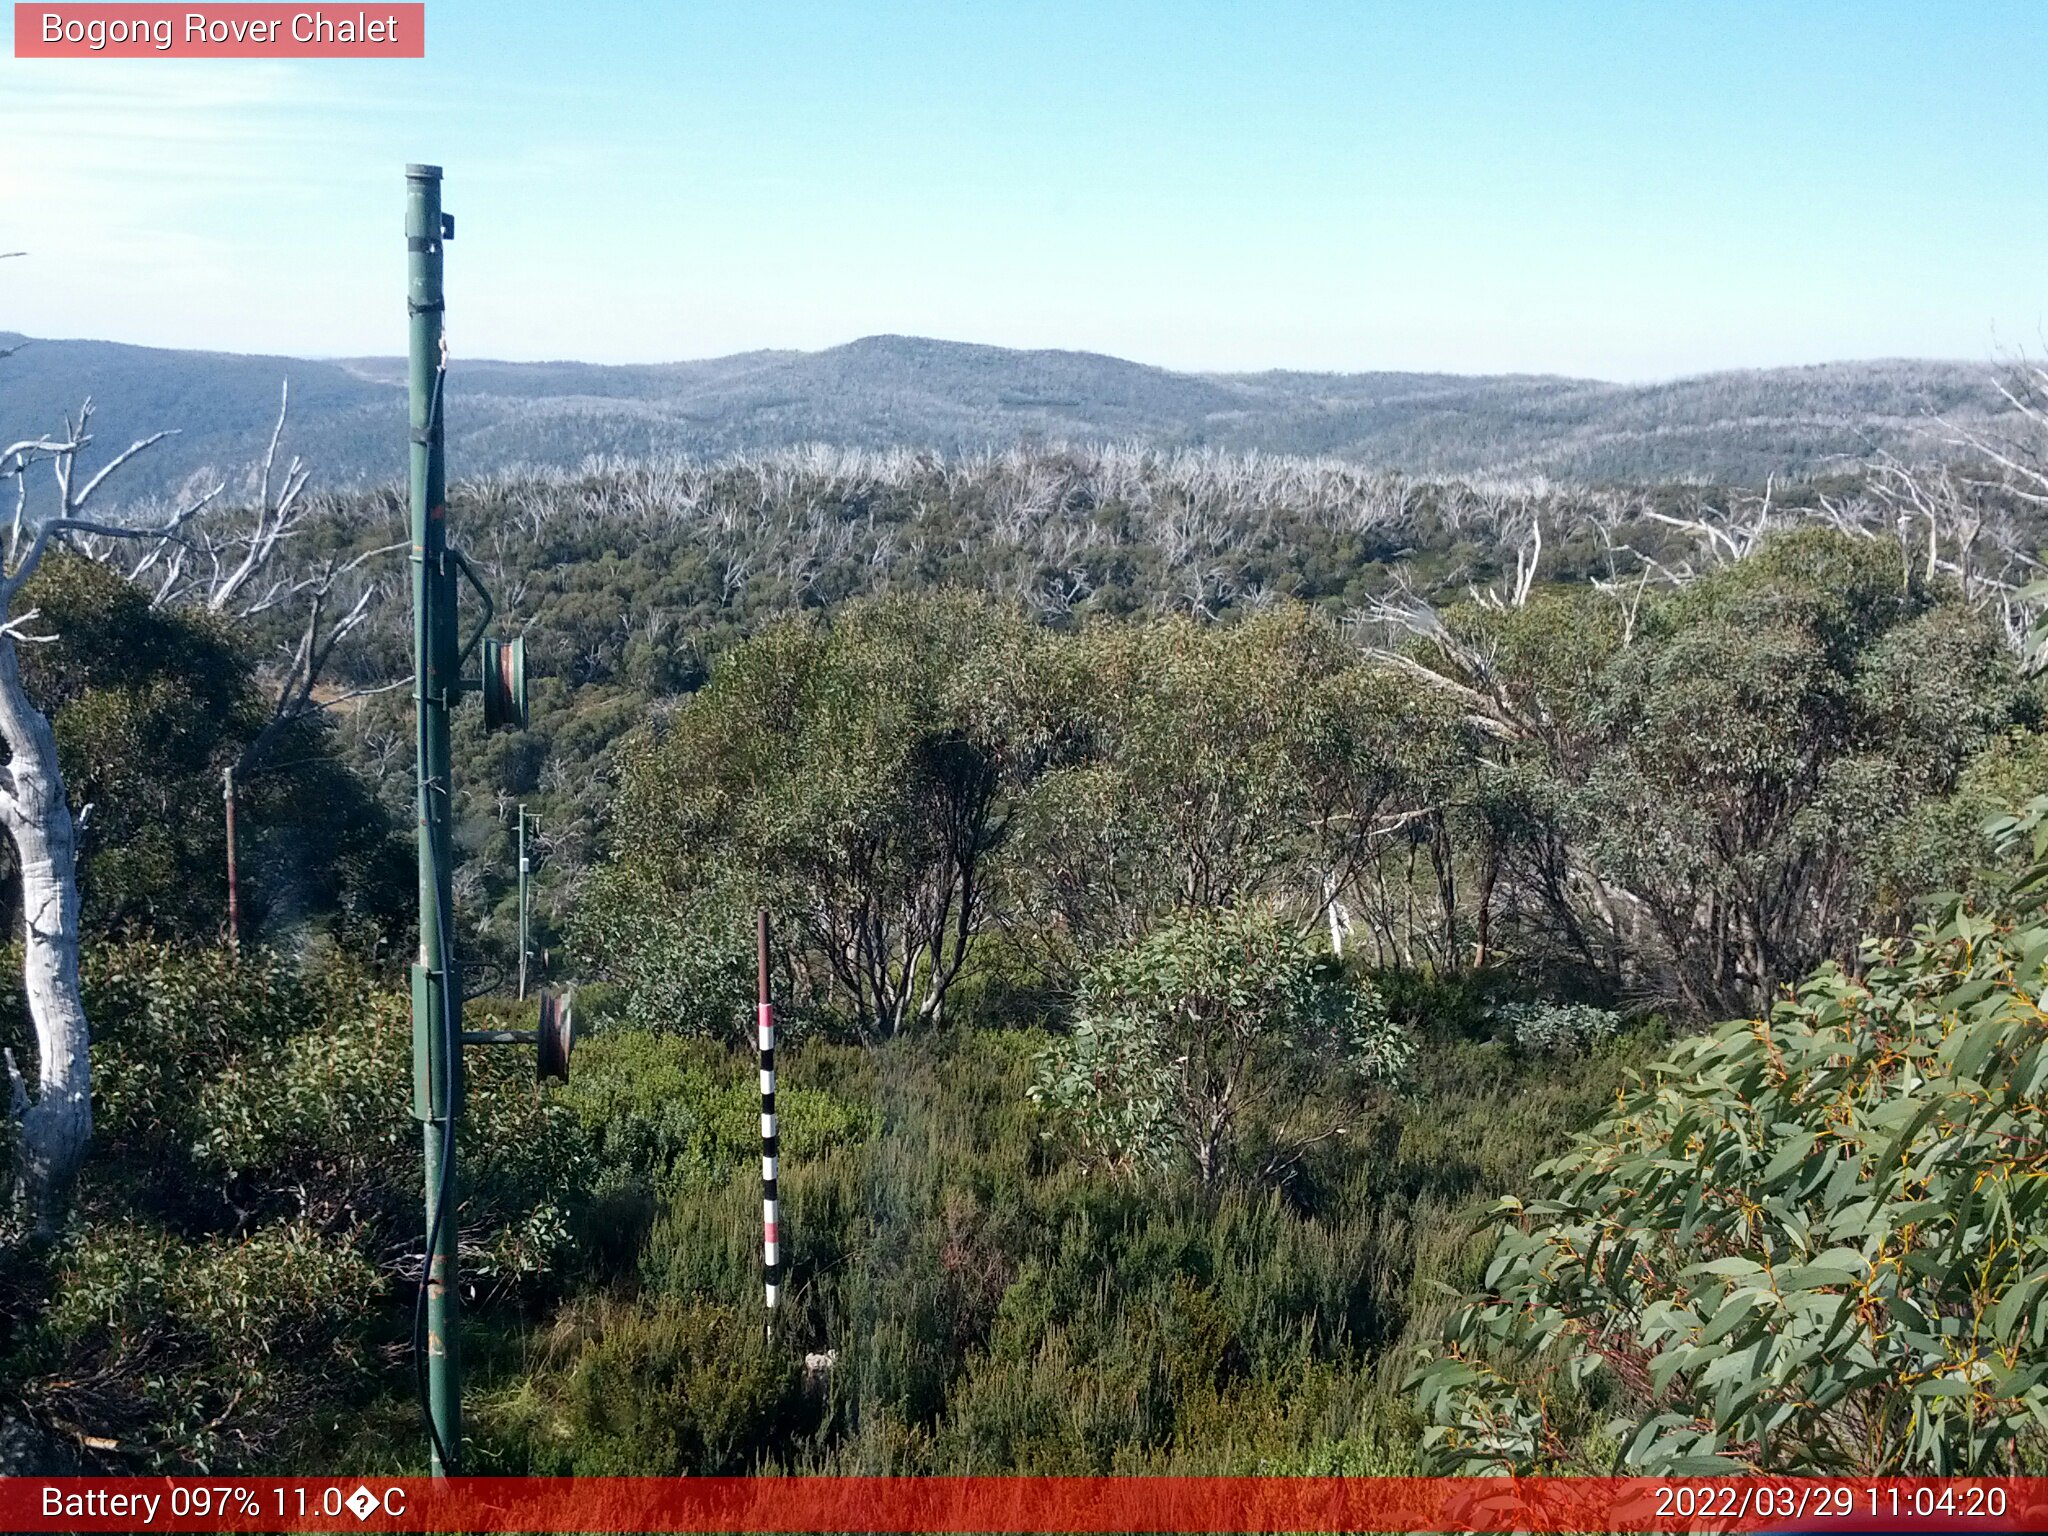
1221	1029
855	777
1779	721
1696	799
1213	765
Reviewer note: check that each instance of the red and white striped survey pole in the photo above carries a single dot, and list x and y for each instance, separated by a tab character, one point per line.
771	1211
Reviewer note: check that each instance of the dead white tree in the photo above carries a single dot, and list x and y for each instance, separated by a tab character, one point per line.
1628	589
52	1127
337	602
230	564
1972	518
1732	534
1464	666
231	561
1528	557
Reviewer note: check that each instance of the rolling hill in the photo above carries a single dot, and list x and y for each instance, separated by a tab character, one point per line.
348	414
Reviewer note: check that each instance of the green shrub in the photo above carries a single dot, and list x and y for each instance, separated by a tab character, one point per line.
993	1308
273	1290
184	1351
1559	1029
253	1188
1813	1242
666	1109
688	1387
678	966
1218	1024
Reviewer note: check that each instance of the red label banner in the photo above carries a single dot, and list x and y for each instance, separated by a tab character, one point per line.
373	30
1021	1504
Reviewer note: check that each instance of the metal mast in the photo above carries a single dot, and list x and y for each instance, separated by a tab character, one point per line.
436	985
439	658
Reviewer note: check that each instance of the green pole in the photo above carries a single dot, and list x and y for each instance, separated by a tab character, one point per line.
436	982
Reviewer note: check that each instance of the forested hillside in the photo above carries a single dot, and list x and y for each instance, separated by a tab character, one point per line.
1204	887
908	392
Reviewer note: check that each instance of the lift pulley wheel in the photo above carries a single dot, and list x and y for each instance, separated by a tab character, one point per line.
504	684
556	1036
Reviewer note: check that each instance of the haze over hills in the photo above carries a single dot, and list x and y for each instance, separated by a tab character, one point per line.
886	391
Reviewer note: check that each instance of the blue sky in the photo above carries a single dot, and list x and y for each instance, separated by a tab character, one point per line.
1627	190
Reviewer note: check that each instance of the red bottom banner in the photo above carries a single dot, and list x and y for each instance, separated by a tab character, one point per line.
1022	1504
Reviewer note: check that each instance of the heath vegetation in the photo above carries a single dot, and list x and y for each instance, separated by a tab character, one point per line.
1258	940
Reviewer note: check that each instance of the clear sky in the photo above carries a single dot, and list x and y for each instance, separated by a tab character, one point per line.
1629	190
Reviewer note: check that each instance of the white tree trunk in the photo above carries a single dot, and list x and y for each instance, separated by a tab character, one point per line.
52	1130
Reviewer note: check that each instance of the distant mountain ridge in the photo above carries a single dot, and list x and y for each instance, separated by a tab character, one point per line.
889	391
